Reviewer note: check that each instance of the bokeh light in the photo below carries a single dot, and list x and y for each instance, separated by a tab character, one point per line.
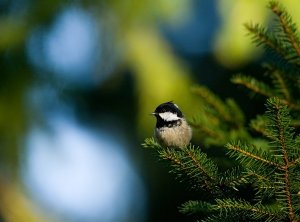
69	48
83	174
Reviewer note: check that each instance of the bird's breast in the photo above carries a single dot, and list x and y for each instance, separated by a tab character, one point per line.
177	136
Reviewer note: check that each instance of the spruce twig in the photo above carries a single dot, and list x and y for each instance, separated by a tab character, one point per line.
250	154
289	28
280	125
212	101
253	84
261	37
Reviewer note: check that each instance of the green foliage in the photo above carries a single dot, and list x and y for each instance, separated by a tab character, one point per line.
253	84
189	164
282	45
195	206
273	173
265	183
217	120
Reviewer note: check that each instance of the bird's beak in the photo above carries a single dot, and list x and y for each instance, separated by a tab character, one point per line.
154	114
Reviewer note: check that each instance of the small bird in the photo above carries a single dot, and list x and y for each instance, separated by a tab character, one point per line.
172	130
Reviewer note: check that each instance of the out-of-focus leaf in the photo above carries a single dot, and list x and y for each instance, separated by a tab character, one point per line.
232	46
12	32
15	206
141	11
160	76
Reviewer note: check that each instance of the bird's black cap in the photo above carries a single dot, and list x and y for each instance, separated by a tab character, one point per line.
168	107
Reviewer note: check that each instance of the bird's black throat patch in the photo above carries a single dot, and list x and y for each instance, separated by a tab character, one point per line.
163	123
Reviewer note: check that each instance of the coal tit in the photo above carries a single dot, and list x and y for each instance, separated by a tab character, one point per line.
172	130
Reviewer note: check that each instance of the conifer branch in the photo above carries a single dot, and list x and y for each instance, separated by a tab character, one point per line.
236	150
293	106
288	27
257	211
193	165
236	113
253	84
259	125
233	178
228	208
261	88
195	206
294	162
151	143
278	113
205	130
212	101
295	123
205	166
263	183
281	88
289	196
281	85
260	37
189	163
225	218
218	120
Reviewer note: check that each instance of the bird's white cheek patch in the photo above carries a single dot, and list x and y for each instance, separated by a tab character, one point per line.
168	116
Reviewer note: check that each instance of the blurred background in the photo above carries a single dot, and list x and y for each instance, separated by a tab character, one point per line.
78	80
